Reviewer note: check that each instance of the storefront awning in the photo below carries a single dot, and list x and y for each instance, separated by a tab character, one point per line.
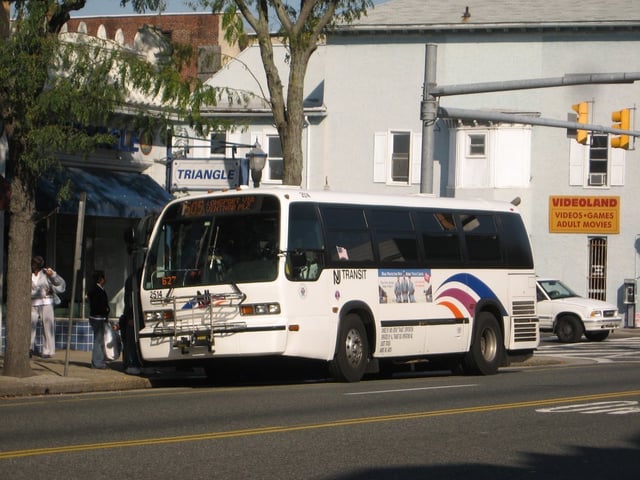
109	193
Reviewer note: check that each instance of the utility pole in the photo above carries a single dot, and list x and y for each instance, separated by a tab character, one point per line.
430	110
428	115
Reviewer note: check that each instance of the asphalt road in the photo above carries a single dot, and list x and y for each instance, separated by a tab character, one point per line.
574	420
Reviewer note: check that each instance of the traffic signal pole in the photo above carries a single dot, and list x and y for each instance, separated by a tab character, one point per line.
465	114
430	110
428	115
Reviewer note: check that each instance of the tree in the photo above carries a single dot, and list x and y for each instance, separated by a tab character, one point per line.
301	29
48	89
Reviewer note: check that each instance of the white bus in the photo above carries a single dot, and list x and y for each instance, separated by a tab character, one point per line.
359	281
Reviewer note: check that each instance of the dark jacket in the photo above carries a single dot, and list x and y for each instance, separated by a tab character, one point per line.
98	302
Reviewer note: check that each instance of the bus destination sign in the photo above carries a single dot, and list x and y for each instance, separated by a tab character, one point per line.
217	206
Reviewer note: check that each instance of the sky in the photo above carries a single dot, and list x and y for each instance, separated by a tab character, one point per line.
112	7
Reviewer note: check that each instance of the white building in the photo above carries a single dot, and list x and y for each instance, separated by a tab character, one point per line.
364	90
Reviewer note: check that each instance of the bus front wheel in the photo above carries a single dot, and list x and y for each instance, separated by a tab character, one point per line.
487	349
352	351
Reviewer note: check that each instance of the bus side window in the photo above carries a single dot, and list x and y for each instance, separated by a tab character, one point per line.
348	236
440	239
394	236
305	244
481	238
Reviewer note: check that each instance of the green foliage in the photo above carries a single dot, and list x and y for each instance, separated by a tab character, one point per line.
52	86
306	22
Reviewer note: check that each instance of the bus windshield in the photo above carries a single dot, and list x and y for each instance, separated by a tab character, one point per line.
211	242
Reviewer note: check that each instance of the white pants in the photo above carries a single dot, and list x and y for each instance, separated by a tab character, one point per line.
44	313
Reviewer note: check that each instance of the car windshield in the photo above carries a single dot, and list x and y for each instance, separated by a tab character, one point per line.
556	289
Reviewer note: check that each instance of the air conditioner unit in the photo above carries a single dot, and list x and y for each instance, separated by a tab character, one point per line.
597	179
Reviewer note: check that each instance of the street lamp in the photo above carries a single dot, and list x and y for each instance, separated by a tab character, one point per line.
257	161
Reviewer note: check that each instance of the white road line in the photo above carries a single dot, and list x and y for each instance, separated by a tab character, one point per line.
375	392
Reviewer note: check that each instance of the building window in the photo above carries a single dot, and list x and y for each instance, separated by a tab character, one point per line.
218	143
400	157
477	144
397	157
598	160
274	167
598	268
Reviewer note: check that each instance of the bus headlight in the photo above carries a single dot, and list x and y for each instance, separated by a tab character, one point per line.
260	309
159	316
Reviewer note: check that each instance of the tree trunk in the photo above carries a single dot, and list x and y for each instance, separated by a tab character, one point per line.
5	19
18	314
291	130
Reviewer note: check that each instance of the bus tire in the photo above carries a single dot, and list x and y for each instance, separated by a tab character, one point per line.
569	329
352	350
487	348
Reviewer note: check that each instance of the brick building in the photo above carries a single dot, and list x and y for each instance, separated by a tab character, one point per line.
203	31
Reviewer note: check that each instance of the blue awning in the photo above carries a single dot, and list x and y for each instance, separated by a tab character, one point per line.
109	193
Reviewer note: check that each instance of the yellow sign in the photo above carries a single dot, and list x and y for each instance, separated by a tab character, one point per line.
568	214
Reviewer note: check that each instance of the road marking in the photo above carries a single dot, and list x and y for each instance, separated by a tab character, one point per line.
375	392
621	407
295	428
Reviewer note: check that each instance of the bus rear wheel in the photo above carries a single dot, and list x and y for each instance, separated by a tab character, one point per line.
352	351
487	349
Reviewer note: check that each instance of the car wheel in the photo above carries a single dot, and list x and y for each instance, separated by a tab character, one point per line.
569	329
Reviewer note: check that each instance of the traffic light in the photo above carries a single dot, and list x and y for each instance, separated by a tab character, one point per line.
582	109
622	119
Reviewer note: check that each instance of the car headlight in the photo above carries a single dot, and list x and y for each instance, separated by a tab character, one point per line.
596	314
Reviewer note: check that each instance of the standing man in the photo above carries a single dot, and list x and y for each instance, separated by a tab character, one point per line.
130	357
45	285
98	315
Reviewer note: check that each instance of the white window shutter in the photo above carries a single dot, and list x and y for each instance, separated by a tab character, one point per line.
416	157
577	158
616	166
380	154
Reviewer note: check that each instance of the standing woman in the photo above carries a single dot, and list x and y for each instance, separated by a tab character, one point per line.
45	285
98	315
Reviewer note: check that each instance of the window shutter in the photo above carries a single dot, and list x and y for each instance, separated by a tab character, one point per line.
577	159
416	158
380	154
616	166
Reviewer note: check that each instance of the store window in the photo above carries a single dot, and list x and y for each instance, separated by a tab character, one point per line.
598	268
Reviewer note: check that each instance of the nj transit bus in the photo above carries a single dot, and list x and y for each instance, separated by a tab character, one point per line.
358	281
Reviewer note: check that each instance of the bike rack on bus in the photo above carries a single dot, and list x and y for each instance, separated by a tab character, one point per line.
196	318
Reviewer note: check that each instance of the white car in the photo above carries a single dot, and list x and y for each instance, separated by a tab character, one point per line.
569	315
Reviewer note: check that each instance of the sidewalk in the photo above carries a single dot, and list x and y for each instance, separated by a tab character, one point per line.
49	378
